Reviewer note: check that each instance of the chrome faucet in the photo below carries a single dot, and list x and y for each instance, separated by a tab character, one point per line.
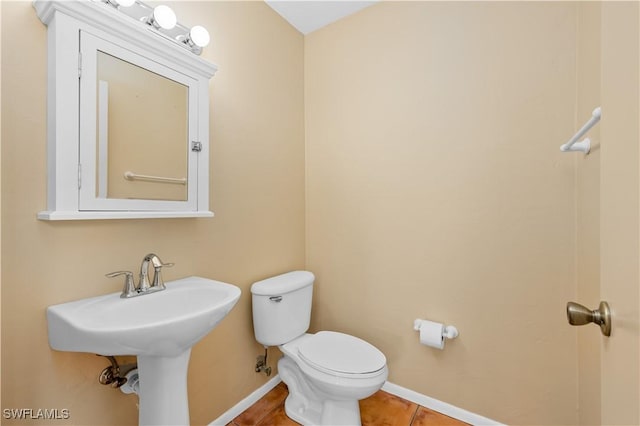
158	283
143	287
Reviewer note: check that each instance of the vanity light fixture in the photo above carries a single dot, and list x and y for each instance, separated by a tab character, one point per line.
162	17
163	20
197	38
120	3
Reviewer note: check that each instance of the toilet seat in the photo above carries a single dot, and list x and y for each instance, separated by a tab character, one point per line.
341	355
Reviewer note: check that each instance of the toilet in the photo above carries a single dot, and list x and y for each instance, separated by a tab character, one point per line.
327	373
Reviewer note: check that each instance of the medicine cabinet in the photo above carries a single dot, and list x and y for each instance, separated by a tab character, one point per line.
128	118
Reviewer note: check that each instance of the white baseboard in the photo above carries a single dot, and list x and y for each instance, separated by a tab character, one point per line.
439	406
237	409
409	395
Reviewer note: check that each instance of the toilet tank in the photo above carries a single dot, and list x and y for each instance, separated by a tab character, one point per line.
282	307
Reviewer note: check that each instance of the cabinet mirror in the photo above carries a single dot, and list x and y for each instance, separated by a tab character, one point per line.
142	133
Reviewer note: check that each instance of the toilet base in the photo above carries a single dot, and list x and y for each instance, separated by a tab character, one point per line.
310	406
298	411
339	413
300	404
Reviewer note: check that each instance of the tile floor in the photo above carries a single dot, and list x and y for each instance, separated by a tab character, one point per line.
380	409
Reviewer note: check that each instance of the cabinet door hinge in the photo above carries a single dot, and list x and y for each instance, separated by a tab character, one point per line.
79	64
79	176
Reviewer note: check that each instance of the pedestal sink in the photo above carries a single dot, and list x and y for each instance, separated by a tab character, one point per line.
159	328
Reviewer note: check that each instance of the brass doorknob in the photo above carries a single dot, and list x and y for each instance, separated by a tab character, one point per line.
580	315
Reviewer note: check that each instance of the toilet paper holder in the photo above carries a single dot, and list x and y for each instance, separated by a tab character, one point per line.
448	332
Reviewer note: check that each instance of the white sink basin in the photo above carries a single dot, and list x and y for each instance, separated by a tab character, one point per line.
165	323
160	328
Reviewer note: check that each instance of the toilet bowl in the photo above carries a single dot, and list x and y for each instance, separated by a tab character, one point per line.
328	372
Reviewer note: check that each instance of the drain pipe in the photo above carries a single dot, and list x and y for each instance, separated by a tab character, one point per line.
116	375
132	385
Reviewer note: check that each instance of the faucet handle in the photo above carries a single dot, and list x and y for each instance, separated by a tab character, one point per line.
129	288
158	282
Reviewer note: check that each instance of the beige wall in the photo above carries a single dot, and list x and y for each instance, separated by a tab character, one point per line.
257	193
588	211
436	189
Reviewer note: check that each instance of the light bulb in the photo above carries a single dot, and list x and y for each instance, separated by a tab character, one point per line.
163	17
199	36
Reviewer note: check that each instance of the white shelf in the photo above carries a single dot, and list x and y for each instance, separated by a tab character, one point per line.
93	215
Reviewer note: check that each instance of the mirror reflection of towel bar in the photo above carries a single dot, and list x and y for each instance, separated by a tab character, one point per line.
147	178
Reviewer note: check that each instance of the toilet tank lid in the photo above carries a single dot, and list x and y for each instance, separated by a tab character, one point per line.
282	284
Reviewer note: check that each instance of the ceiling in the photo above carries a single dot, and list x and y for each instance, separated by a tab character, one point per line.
309	15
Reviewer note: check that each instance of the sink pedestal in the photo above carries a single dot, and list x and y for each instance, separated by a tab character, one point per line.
163	389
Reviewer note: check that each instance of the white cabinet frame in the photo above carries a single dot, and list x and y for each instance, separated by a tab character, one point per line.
65	21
